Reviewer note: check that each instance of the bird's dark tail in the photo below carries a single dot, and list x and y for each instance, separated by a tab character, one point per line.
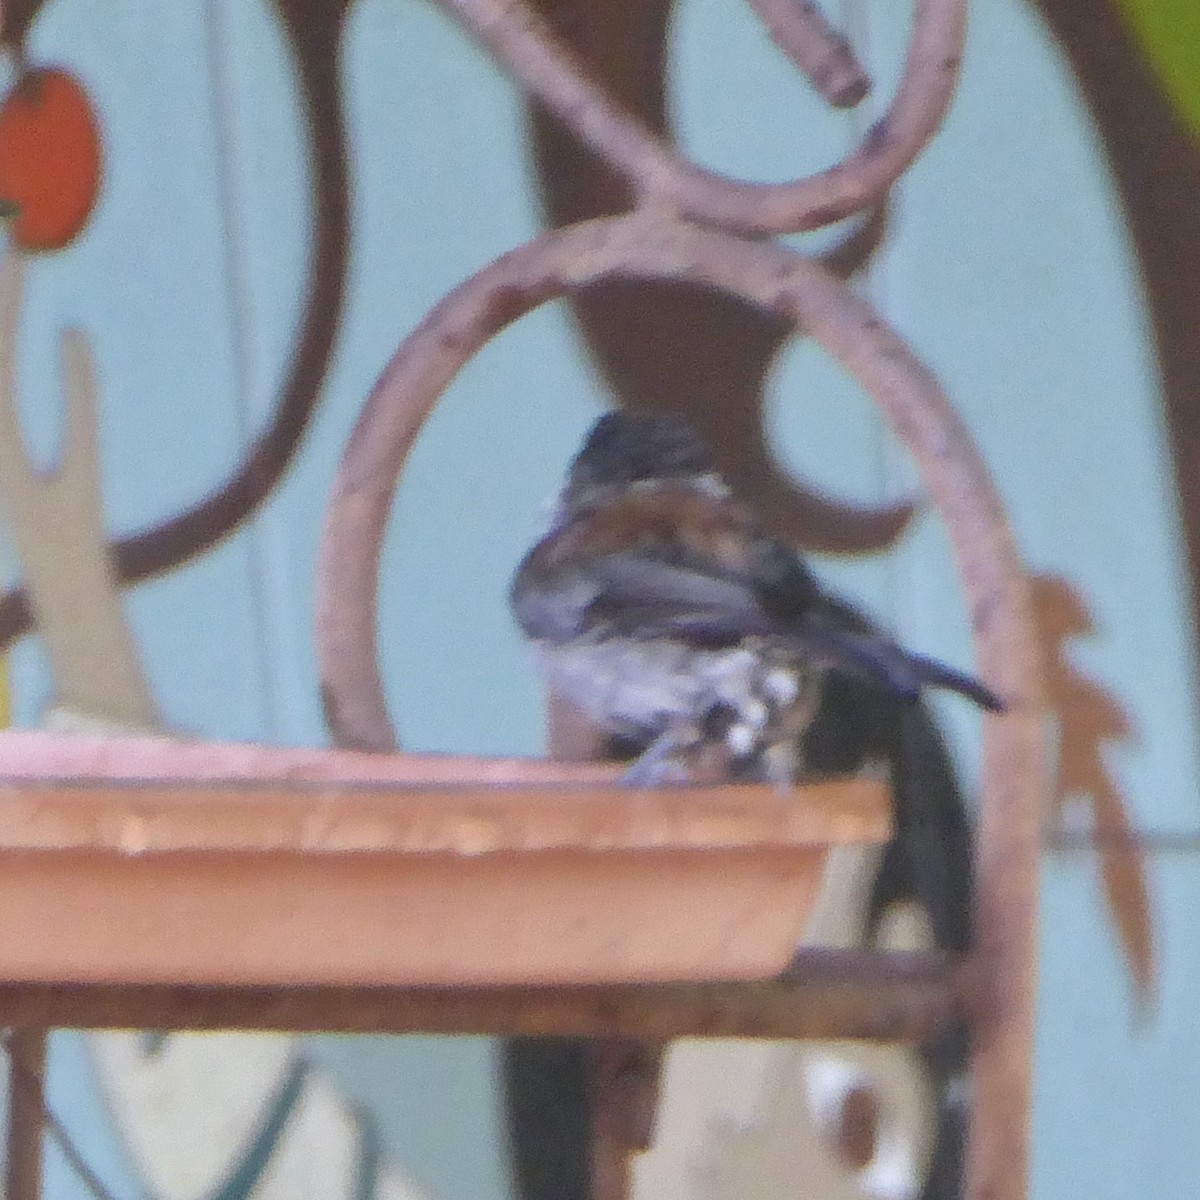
869	655
935	674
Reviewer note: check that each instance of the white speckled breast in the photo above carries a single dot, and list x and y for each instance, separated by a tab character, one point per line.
640	688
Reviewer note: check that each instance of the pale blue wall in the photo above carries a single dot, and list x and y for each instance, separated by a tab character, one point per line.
1007	266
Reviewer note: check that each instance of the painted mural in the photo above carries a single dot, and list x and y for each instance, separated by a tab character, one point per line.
225	218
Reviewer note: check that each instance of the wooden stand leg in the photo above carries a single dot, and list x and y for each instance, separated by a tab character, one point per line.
23	1164
625	1079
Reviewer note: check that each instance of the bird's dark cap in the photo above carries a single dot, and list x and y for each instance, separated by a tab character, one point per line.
624	447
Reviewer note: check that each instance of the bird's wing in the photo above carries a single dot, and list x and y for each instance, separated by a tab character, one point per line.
631	594
641	595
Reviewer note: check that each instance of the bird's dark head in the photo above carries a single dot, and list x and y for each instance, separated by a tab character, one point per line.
624	448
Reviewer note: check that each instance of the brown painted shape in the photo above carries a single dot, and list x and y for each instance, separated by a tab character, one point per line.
15	19
1089	717
700	353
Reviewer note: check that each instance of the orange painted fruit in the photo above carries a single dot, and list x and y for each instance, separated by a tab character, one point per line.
49	158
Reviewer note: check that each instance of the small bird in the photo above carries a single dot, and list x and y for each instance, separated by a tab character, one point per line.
659	606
